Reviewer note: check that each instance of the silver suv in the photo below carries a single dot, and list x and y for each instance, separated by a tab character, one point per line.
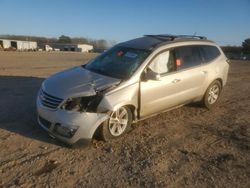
130	82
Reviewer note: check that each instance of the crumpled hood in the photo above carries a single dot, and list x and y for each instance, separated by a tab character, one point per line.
77	82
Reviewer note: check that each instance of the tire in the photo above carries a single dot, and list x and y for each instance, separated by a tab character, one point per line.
212	94
116	127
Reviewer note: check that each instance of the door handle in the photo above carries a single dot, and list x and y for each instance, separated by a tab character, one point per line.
176	80
204	72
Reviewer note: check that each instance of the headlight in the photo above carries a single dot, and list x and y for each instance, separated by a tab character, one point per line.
80	104
72	104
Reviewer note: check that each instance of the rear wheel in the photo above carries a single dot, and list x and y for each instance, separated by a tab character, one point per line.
212	94
117	125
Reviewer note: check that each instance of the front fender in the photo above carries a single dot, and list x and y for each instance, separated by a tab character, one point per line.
122	97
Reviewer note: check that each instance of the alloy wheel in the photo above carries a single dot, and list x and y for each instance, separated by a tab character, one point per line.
213	94
118	121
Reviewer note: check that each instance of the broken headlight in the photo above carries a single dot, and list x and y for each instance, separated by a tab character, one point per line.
82	104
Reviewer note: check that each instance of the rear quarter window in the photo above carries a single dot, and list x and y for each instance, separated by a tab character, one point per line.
209	53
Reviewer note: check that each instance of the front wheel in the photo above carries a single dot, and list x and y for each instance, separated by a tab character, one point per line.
212	94
118	124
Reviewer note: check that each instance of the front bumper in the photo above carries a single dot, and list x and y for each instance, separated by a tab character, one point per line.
86	123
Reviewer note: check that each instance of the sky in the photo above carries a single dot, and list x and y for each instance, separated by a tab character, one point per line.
225	21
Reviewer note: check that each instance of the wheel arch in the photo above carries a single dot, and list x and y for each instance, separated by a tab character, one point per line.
210	82
220	80
133	111
204	98
208	85
130	106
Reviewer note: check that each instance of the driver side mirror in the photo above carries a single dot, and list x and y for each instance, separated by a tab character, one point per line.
148	74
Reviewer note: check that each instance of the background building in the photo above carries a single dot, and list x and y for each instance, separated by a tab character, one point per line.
85	47
17	45
72	47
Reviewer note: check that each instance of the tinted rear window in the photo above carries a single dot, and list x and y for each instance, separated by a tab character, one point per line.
187	56
209	53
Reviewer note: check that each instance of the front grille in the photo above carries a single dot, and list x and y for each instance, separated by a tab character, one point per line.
44	122
49	101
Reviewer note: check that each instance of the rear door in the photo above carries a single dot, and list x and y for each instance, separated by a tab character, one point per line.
190	64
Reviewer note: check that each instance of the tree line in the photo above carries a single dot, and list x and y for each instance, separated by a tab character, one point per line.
104	44
243	49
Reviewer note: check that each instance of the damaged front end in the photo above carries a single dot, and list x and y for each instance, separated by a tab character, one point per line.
87	103
76	115
83	104
76	119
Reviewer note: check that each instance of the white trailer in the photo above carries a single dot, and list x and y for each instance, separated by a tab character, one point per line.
85	47
4	43
26	45
18	45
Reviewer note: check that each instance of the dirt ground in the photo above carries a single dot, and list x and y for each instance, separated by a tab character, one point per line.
186	147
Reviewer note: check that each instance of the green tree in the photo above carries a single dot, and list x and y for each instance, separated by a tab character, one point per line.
246	46
64	39
79	40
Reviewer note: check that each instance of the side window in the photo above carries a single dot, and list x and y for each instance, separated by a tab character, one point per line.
187	56
163	63
210	53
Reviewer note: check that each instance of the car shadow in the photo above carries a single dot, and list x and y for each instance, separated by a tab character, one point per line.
195	105
18	107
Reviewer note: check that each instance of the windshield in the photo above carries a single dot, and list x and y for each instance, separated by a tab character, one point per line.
118	62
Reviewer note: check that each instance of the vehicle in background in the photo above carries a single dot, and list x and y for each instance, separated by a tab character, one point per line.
48	48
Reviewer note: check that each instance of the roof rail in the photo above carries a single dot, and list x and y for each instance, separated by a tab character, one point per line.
173	37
